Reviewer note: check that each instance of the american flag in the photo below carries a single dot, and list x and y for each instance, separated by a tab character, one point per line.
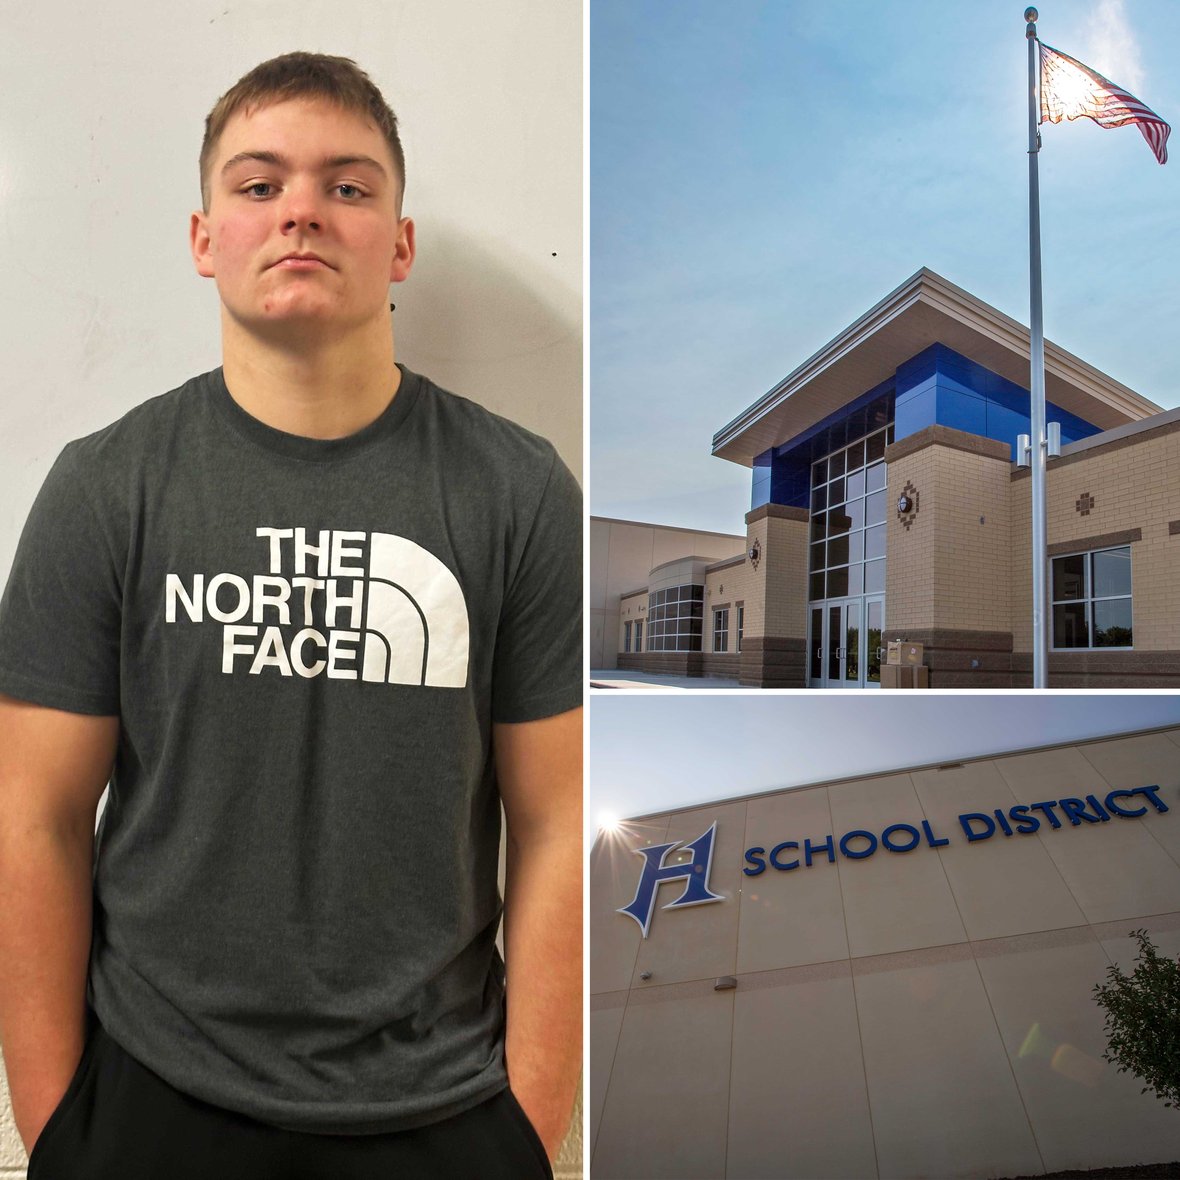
1070	90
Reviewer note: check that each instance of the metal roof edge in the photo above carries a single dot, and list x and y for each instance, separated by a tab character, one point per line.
945	297
852	778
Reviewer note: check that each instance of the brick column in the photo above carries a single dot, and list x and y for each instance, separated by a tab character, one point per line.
774	647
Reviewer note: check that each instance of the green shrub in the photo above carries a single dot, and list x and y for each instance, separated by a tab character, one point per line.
1143	1020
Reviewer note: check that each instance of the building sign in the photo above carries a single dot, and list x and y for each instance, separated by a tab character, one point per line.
695	874
787	855
976	826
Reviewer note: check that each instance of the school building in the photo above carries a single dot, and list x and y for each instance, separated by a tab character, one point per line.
886	504
886	976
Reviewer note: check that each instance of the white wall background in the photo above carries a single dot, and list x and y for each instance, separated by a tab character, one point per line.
100	130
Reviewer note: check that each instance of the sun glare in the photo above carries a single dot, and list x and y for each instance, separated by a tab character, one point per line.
608	821
1073	92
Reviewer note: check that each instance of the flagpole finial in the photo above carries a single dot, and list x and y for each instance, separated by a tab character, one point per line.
1031	15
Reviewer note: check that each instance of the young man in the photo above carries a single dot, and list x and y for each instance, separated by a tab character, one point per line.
314	618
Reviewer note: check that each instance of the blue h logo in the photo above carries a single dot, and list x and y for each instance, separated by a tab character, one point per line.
695	873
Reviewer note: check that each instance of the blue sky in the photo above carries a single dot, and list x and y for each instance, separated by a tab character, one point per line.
651	752
762	173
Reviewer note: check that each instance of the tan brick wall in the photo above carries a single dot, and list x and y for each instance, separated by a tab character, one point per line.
784	563
734	584
782	566
909	553
1135	486
951	568
753	582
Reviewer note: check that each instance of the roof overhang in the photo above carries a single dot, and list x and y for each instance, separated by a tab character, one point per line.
926	309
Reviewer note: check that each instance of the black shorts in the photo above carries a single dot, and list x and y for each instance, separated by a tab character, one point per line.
120	1121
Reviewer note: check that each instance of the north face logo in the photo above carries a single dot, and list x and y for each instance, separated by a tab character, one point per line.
400	618
695	874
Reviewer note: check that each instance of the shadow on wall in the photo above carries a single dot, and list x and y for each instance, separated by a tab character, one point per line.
504	332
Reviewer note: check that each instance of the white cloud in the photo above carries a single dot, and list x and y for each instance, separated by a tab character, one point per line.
1111	48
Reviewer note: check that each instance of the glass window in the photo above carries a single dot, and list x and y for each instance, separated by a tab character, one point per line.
838	522
1112	622
639	635
626	637
1091	599
875	508
741	624
1069	625
874	577
1069	577
721	629
1112	572
675	619
848	508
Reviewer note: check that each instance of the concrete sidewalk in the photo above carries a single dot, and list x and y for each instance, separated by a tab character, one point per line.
626	678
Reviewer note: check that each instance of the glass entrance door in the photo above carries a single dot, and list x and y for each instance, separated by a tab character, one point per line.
844	643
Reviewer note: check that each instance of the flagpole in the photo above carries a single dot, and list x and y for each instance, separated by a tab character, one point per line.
1037	368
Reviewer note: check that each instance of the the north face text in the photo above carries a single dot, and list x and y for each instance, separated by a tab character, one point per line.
341	603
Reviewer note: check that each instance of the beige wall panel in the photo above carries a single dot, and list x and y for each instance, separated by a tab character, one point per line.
1083	1112
796	1060
598	646
1093	858
1120	948
667	1105
599	543
1136	761
614	875
1143	760
1116	869
1050	774
699	942
1004	885
791	916
605	1025
943	1099
892	901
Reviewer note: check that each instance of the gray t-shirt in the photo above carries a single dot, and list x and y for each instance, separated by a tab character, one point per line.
307	642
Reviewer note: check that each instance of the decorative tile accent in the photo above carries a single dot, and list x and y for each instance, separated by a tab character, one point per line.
1084	503
910	492
755	553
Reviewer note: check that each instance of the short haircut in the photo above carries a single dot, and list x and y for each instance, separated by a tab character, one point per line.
337	80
